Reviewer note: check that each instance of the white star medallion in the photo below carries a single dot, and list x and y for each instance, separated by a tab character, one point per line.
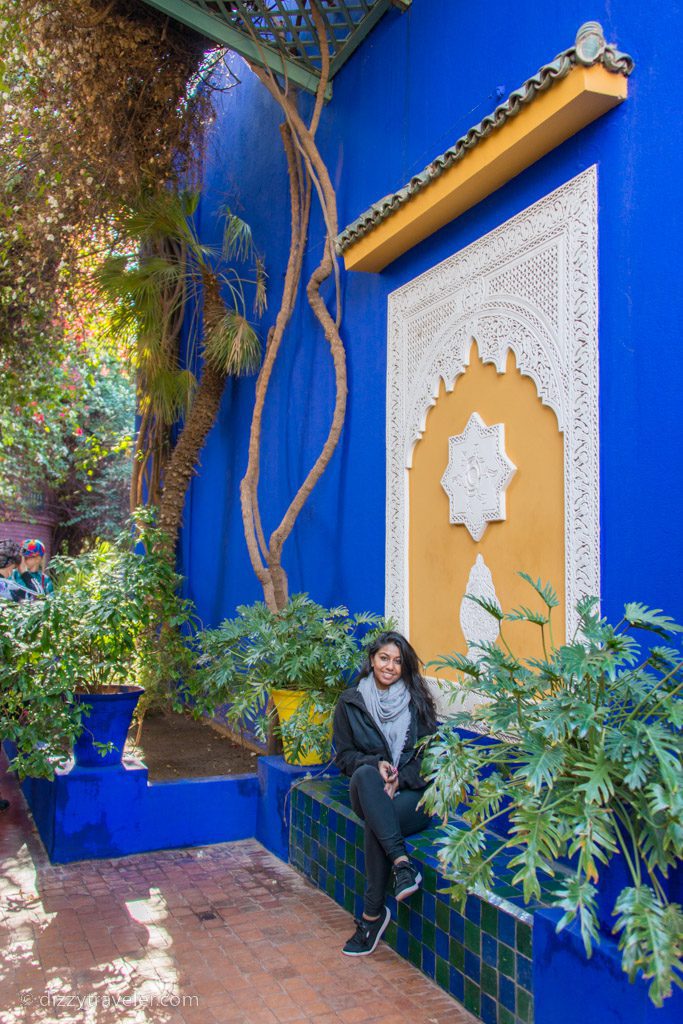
477	475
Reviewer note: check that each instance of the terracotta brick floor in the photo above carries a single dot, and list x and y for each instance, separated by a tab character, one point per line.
220	934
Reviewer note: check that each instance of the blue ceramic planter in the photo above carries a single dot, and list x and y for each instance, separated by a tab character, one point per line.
108	722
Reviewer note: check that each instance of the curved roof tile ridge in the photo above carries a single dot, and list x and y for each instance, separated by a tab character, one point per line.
588	50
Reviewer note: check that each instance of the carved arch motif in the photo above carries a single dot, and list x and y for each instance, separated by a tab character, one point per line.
530	287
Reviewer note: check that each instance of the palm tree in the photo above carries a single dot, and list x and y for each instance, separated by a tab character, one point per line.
165	273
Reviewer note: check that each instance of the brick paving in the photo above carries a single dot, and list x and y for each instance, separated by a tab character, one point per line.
224	934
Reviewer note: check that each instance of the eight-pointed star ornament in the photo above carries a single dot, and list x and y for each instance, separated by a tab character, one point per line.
477	475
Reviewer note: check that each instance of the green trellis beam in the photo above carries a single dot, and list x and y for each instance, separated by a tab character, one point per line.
298	67
220	32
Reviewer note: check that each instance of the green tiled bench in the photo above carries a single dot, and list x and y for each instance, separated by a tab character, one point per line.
482	957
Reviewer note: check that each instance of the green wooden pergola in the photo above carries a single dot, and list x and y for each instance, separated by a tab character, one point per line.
280	34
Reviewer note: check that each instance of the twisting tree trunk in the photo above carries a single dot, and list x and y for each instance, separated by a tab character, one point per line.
306	167
153	442
181	464
200	419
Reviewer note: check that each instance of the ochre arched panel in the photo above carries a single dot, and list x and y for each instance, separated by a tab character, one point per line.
531	538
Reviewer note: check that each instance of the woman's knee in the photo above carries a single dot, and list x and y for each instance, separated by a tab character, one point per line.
365	777
411	817
365	781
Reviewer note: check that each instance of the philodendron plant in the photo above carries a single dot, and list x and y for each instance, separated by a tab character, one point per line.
584	757
304	647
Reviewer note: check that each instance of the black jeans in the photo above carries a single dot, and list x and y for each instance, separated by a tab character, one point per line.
387	821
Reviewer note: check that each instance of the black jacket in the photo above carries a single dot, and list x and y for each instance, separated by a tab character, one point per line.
357	741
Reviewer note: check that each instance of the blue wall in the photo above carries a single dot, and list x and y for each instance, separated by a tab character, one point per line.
419	81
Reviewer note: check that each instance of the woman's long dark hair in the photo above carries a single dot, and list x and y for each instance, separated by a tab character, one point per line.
411	673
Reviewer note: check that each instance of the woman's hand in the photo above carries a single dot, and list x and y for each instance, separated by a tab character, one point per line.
391	788
390	776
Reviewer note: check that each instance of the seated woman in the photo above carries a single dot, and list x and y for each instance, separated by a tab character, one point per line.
376	726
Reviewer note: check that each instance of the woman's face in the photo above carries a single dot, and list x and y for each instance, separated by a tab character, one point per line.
33	562
387	665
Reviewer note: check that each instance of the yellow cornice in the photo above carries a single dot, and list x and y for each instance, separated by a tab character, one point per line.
582	96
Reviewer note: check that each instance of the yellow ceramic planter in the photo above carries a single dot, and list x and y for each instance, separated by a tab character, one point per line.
287	702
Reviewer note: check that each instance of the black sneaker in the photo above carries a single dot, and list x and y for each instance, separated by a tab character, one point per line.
367	935
406	880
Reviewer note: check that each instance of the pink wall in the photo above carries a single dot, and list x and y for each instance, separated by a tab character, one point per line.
38	527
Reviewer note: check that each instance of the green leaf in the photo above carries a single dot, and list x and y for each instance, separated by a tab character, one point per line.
458	662
599	785
492	608
651	939
525	614
544	590
541	763
642	617
578	897
593	838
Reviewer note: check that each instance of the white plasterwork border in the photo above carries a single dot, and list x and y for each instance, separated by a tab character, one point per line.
530	286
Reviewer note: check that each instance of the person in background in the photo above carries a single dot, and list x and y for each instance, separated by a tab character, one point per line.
11	589
11	584
36	581
377	724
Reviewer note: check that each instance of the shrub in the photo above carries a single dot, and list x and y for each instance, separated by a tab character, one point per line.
587	766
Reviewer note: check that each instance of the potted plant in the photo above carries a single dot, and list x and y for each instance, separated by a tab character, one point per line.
302	657
38	725
583	760
111	625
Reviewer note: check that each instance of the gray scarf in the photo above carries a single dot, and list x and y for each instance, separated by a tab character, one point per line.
389	710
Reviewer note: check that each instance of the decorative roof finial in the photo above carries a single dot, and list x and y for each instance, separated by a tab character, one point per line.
590	43
590	48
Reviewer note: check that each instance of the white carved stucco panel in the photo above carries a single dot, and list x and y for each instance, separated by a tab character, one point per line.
530	287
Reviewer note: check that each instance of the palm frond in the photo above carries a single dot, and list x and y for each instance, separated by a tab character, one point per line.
232	345
170	394
238	243
260	296
164	214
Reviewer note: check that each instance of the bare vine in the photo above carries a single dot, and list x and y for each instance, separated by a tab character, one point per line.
307	171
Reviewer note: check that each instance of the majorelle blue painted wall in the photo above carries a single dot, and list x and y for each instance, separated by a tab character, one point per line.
418	82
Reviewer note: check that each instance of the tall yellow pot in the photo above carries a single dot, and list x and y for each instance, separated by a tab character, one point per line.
287	702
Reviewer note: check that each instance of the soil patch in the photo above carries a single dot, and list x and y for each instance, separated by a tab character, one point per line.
180	747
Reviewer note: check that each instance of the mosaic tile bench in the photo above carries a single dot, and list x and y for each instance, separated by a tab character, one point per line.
482	957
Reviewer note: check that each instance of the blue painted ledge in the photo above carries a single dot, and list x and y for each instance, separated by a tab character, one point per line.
274	812
94	813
